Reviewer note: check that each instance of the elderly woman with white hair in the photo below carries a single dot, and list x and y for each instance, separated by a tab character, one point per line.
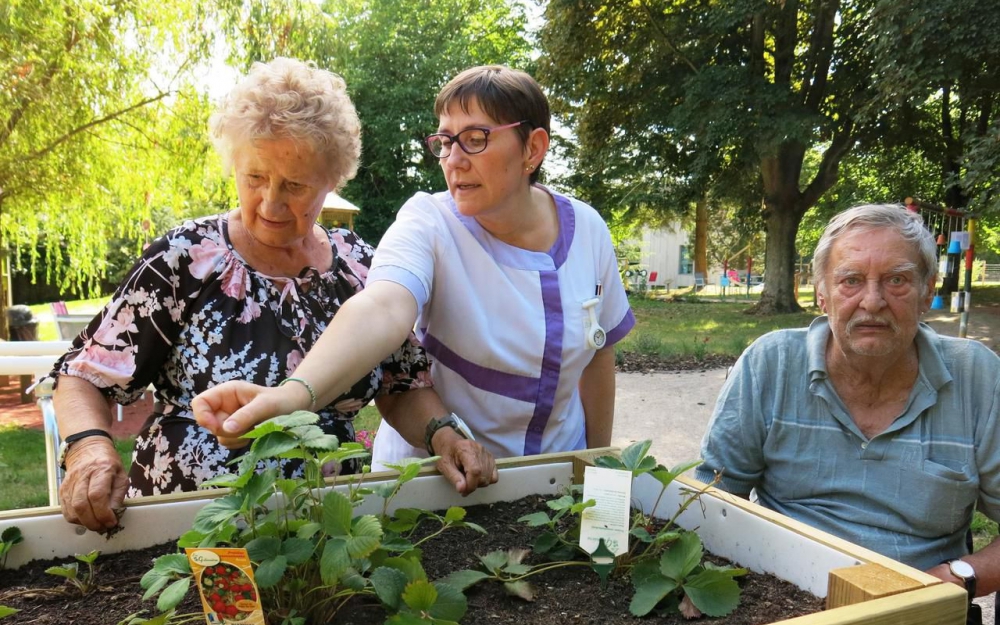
237	296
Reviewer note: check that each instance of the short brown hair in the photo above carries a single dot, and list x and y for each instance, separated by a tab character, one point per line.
507	95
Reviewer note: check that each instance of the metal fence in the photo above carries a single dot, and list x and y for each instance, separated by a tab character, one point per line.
991	273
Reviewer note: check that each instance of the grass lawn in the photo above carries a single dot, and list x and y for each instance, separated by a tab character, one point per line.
695	328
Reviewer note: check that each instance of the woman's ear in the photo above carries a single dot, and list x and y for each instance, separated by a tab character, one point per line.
536	147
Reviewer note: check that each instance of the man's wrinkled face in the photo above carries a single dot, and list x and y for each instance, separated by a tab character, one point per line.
873	292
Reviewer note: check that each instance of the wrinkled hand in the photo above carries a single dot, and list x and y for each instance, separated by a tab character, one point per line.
466	464
94	486
232	409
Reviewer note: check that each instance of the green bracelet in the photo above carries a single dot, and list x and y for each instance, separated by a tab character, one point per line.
312	393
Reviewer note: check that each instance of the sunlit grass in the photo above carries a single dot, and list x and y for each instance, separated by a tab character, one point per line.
680	329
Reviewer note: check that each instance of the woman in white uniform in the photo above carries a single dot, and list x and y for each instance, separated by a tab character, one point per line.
513	290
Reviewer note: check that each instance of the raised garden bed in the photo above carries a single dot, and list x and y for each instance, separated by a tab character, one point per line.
734	529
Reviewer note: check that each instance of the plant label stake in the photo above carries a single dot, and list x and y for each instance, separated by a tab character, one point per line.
608	519
602	561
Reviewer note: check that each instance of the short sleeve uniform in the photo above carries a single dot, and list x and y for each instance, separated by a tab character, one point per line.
192	314
505	327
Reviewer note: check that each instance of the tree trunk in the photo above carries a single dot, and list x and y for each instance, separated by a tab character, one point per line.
701	237
779	263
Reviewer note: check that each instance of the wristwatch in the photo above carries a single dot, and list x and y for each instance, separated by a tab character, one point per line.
451	421
73	438
964	571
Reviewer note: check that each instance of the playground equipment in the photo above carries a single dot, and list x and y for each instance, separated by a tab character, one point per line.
955	230
731	278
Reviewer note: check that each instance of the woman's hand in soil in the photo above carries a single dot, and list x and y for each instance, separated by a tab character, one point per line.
232	409
466	464
95	484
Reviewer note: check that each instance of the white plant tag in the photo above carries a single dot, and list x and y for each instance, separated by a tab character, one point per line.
609	519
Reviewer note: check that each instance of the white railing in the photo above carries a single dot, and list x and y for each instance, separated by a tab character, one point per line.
35	359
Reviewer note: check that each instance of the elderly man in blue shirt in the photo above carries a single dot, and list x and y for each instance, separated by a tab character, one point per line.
867	424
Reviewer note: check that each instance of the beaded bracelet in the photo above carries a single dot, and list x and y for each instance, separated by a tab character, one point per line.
312	393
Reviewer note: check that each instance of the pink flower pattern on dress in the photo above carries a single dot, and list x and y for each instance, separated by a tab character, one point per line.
205	258
346	249
191	314
104	367
292	361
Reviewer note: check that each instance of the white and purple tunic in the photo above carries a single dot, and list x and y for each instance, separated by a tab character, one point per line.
505	326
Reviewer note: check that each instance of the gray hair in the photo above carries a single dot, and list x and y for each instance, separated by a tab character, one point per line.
289	99
866	217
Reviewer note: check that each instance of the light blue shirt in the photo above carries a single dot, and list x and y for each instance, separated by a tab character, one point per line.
909	492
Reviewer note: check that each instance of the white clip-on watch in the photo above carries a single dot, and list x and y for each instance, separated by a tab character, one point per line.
596	336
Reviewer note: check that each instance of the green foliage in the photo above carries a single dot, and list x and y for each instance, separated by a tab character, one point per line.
81	582
8	538
311	551
937	68
394	56
665	563
101	128
755	105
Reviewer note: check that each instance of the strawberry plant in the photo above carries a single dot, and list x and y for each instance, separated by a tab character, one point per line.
8	538
79	582
311	552
665	563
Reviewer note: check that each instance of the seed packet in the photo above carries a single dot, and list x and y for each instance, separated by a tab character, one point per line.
225	581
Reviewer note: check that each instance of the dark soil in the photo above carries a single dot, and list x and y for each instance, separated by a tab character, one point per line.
45	600
572	595
631	362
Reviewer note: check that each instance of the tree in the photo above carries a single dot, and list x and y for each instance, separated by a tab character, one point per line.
395	55
737	87
89	144
940	72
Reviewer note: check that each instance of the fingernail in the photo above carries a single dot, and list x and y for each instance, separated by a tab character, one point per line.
230	426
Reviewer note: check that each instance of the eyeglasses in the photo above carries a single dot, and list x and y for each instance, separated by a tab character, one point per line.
471	140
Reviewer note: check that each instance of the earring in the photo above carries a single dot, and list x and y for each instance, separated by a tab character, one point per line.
529	167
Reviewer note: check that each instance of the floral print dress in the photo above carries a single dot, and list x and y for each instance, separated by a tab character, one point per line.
192	314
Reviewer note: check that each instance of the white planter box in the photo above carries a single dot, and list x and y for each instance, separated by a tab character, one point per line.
745	533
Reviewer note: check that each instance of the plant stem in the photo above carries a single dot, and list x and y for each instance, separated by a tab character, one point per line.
542	568
690	500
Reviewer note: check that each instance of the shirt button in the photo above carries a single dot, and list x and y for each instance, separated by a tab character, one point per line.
864	445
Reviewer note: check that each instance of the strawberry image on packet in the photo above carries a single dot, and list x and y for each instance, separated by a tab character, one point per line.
225	581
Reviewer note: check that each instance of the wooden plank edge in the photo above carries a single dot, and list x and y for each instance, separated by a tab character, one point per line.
943	604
